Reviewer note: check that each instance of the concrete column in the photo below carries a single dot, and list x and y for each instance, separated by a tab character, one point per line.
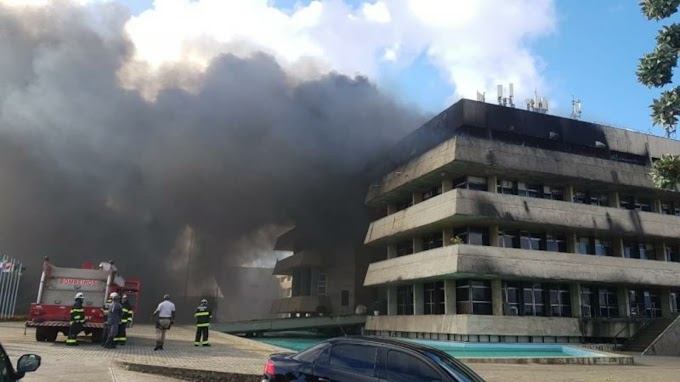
491	183
447	235
665	296
494	240
417	244
417	197
569	193
614	199
656	205
450	296
497	297
617	244
624	302
575	295
447	184
660	251
391	208
418	299
391	251
391	300
571	243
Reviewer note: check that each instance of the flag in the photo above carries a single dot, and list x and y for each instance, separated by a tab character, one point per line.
6	266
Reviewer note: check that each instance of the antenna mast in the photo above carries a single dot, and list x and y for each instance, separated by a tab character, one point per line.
506	101
537	104
576	108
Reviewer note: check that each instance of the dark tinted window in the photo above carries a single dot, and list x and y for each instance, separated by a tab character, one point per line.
311	354
358	358
402	367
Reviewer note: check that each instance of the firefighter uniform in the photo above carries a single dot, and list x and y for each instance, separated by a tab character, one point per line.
125	320
203	315
77	321
105	313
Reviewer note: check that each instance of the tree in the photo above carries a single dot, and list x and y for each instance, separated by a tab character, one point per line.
655	71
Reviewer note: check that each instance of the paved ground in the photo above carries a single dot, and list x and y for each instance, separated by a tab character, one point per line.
238	355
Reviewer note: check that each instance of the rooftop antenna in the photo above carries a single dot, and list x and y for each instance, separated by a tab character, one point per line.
537	104
576	108
506	101
481	97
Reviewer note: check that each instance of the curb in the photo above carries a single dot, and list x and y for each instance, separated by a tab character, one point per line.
188	374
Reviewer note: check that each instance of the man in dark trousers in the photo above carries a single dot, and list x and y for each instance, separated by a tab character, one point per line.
115	316
77	320
121	337
203	315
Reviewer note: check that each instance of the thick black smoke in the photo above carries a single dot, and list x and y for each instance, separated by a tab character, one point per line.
90	171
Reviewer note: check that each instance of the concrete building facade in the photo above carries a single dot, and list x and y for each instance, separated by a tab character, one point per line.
504	225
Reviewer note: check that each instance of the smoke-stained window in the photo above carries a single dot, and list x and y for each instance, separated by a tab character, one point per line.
471	183
473	297
432	192
405	300
433	298
405	248
433	240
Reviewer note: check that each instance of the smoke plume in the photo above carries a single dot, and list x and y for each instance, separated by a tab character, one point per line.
91	170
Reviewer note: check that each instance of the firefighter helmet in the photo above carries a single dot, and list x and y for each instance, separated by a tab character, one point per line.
125	297
113	295
80	295
204	302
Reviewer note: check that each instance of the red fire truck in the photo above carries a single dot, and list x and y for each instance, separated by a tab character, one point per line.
58	287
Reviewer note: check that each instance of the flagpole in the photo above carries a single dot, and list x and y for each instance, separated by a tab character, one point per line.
3	289
17	276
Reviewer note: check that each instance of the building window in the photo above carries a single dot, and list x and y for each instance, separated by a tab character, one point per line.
404	204
512	298
471	183
529	189
533	299
433	297
508	238
584	246
553	193
672	253
632	202
405	300
431	193
638	250
344	298
507	187
675	301
405	248
434	240
644	303
473	297
472	235
560	301
321	291
670	208
603	247
591	197
555	243
530	240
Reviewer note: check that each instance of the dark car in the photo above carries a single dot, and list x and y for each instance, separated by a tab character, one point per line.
364	359
27	362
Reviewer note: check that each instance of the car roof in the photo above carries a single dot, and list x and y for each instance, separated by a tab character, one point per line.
387	341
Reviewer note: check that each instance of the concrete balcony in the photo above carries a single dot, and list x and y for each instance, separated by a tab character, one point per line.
468	261
298	259
301	304
486	207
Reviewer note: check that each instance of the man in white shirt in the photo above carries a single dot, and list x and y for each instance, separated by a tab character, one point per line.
164	316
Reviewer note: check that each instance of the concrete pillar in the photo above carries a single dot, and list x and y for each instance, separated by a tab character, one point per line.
491	183
614	199
624	302
447	184
450	296
665	295
569	193
575	295
418	299
447	235
660	251
417	244
494	240
497	297
656	205
617	246
391	251
571	243
392	300
417	197
391	208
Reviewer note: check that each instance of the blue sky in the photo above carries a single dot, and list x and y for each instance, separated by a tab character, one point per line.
593	54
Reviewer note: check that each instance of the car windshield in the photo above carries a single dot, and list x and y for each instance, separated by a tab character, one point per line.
455	368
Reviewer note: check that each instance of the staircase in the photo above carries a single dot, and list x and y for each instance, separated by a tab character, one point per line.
641	341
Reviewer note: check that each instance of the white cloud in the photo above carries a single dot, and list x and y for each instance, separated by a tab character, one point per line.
475	44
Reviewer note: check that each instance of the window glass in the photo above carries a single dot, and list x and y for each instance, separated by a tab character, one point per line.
358	358
405	300
433	297
310	355
434	240
405	248
477	183
603	247
402	367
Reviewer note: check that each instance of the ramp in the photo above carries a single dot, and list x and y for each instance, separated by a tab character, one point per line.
286	324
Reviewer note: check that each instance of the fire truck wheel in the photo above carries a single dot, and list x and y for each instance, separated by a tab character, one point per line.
51	335
96	336
40	334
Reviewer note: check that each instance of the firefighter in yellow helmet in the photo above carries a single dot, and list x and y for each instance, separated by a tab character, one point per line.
203	315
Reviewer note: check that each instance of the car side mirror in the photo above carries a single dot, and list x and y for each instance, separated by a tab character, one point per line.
28	363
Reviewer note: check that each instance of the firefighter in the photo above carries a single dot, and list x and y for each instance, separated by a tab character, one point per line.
126	319
77	320
203	315
105	314
114	317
